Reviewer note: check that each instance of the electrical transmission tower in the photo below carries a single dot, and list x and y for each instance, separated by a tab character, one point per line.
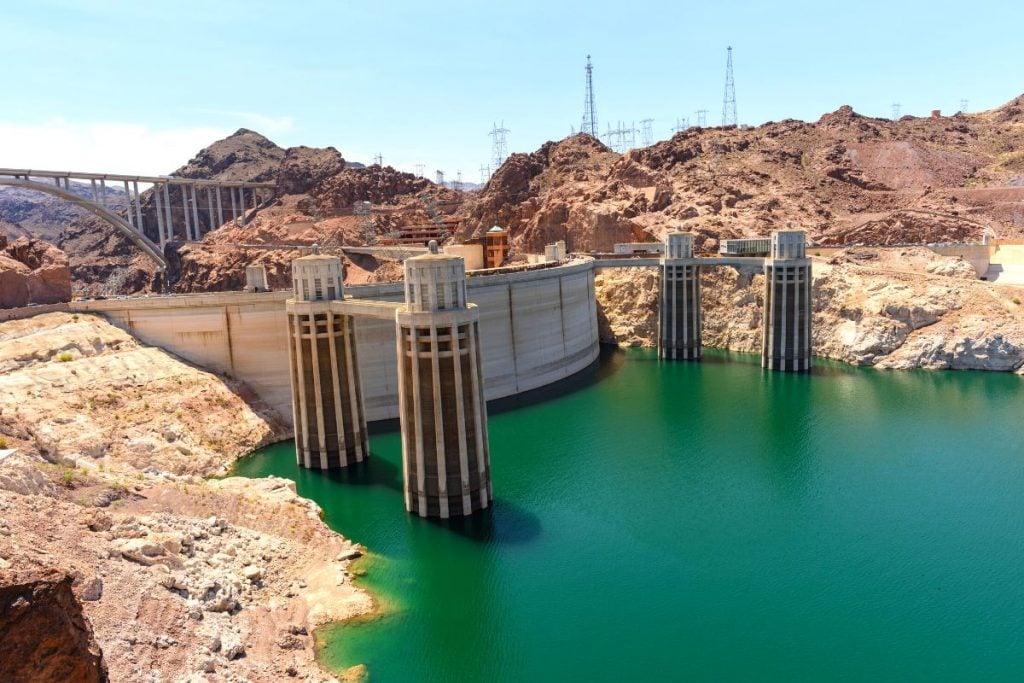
963	106
419	170
378	159
681	125
896	111
485	174
440	177
620	139
458	181
702	117
729	102
499	148
647	132
589	112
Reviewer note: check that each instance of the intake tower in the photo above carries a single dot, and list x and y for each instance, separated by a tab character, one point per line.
327	401
445	457
786	344
680	319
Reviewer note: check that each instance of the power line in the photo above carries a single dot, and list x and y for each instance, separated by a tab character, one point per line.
729	101
589	111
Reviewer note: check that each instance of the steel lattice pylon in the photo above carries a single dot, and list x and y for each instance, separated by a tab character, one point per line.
729	101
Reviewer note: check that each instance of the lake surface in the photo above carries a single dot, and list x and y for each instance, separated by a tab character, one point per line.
710	521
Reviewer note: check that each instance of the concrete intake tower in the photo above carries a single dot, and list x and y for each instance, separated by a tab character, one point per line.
327	401
680	319
786	344
786	340
445	456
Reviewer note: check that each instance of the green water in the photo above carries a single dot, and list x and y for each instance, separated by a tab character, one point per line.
667	521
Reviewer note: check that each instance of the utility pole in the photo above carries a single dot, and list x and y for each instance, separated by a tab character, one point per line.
729	101
646	132
589	112
378	159
499	147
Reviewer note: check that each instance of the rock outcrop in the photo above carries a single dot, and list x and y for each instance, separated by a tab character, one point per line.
374	184
83	391
32	272
43	634
303	167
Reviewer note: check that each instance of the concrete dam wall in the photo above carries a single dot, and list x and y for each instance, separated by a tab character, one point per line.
536	327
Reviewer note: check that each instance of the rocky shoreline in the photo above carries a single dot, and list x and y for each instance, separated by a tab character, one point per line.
106	450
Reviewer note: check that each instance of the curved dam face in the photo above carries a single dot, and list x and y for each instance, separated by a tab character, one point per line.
536	327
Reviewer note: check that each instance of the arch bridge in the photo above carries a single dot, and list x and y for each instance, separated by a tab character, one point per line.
172	209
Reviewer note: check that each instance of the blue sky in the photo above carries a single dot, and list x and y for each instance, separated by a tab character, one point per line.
140	86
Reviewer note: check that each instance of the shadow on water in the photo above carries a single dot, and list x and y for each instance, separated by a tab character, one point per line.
371	472
503	523
609	361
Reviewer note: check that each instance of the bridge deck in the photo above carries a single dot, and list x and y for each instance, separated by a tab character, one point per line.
172	180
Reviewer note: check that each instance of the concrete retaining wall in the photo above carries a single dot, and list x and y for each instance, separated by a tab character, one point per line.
536	327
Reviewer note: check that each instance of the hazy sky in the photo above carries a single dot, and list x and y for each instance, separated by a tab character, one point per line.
136	86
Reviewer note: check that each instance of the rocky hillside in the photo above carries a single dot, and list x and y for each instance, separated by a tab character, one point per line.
846	178
319	210
909	309
177	576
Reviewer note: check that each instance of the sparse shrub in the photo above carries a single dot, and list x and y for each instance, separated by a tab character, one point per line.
3	442
1016	300
64	356
74	317
67	477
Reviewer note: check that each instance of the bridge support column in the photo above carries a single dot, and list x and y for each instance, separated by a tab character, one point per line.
157	197
209	208
138	211
220	209
241	203
197	232
128	209
446	464
327	400
679	320
169	213
786	344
